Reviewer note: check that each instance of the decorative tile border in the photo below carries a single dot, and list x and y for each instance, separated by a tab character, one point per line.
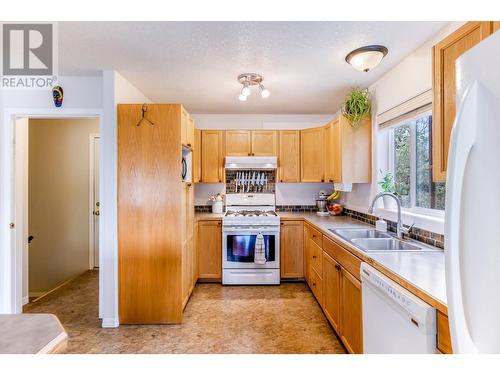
289	208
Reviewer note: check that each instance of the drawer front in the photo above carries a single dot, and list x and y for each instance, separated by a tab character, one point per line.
316	285
316	236
316	257
443	334
347	260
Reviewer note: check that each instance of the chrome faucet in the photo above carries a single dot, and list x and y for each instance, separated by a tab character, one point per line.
400	230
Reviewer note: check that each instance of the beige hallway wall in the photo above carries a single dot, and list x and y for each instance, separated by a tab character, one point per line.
58	200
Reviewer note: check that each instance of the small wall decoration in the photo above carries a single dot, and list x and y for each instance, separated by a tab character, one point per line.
58	95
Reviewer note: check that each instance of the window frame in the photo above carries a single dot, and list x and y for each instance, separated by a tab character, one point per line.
413	165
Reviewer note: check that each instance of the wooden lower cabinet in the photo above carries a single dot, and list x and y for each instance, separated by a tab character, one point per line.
210	250
351	331
306	251
331	290
316	285
292	249
443	334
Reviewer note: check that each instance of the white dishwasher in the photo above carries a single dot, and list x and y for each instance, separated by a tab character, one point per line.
394	320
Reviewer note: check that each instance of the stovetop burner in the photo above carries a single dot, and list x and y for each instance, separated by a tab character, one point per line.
250	213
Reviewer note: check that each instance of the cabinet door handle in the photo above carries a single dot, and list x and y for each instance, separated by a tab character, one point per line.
314	236
314	284
189	144
330	180
314	256
337	267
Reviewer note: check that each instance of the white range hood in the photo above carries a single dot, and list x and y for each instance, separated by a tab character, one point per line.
251	162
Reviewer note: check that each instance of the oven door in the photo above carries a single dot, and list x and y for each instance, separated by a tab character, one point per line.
238	247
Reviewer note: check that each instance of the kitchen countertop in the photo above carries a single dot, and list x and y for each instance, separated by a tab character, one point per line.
31	334
422	273
207	216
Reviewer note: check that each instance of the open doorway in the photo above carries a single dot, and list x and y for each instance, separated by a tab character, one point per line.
58	166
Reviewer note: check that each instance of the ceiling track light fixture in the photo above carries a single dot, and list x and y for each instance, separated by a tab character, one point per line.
366	58
248	80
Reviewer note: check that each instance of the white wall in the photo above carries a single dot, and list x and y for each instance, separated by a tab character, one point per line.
115	90
286	194
83	95
410	77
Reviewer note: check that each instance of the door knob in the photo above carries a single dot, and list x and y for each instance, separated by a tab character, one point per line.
30	238
96	213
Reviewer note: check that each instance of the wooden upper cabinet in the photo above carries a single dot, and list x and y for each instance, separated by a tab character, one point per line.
238	143
328	152
331	290
292	249
187	128
496	26
251	143
289	156
190	132
197	155
264	143
351	151
212	159
311	155
209	249
351	331
445	53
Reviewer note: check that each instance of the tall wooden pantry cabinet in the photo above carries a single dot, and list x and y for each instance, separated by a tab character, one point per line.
152	241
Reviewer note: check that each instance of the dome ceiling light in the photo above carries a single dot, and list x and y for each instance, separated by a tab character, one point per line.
248	80
366	58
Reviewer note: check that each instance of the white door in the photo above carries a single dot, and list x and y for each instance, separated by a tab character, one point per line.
96	204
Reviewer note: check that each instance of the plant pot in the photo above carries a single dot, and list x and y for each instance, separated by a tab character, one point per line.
389	203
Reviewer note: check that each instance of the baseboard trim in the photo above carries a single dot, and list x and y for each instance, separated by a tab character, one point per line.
110	323
40	295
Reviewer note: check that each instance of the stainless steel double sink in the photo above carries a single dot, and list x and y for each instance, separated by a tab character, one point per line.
371	240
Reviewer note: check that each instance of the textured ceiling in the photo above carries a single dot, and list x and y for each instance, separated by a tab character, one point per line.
196	63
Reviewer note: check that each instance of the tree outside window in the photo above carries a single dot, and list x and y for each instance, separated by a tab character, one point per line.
412	163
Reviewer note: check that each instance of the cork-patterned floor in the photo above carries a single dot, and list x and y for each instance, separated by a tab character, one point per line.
217	319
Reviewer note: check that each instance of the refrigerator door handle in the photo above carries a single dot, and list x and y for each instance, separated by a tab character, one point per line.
461	143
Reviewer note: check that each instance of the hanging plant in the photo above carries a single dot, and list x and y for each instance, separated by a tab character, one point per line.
357	106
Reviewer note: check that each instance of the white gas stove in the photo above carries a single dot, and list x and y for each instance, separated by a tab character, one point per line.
247	217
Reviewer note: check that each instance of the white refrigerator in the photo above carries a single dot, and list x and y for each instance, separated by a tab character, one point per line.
472	229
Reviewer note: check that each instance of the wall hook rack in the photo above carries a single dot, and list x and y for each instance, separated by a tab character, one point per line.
144	109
